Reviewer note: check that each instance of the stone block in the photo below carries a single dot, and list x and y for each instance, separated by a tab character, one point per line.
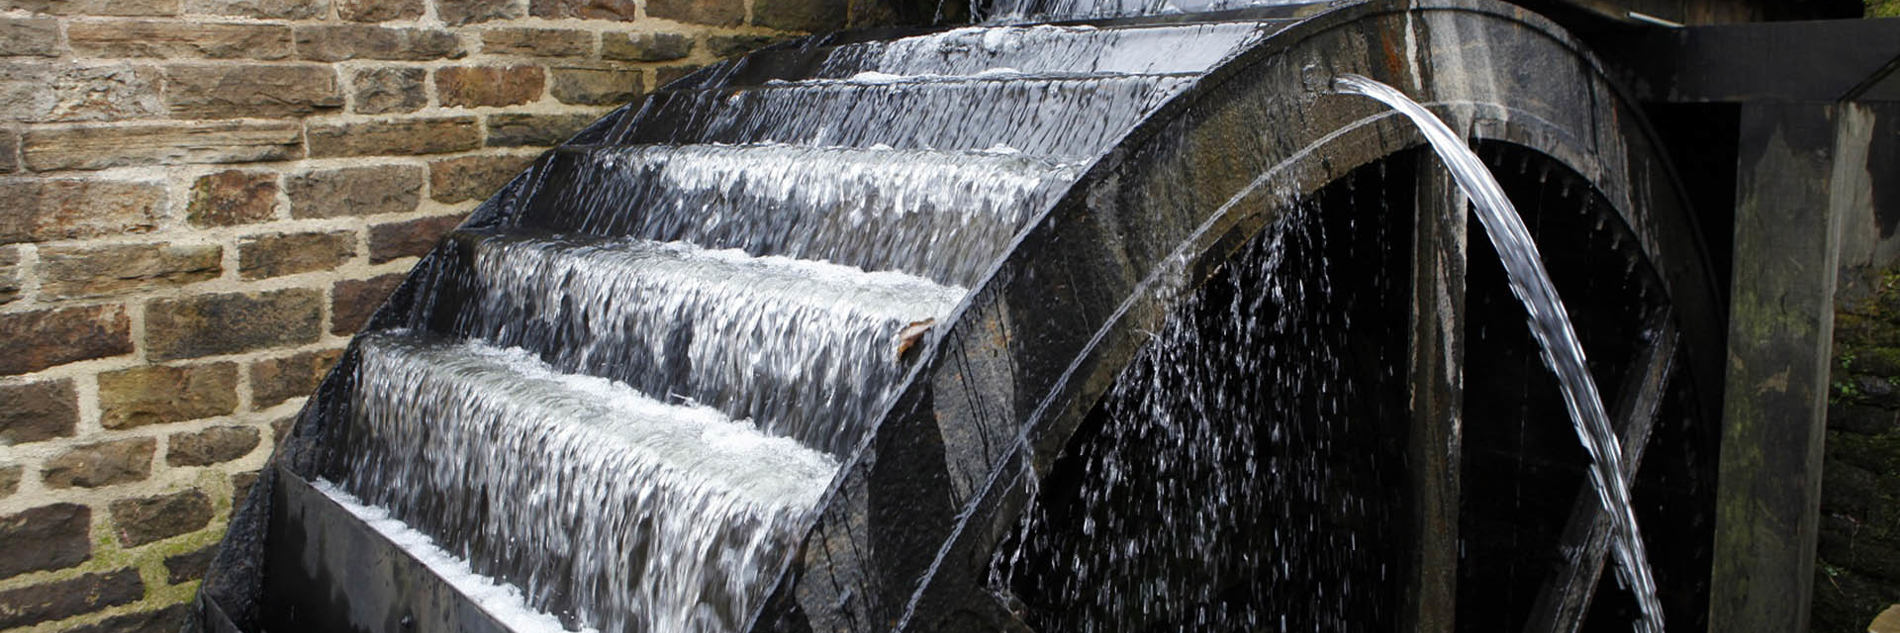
9	150
38	339
354	301
214	445
63	599
157	394
670	74
708	12
809	16
538	42
29	36
117	8
24	89
267	9
228	91
77	272
101	464
389	90
141	521
730	46
412	238
232	197
275	380
103	92
341	42
350	191
10	283
592	86
241	484
166	620
619	10
178	39
10	479
36	411
464	178
229	323
392	137
378	10
539	130
189	566
47	537
281	254
492	86
645	47
103	146
460	12
34	210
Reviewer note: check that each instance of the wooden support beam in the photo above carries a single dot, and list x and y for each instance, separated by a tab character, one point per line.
1781	328
1436	382
1585	543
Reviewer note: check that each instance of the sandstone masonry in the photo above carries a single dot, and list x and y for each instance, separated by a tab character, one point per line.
202	200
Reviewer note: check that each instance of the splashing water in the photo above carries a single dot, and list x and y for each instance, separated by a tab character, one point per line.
1550	323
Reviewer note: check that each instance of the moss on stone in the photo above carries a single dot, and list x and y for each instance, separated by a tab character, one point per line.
1857	570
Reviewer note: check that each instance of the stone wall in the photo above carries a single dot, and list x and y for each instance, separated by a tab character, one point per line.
200	200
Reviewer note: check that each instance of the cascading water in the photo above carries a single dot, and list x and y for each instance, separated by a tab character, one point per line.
1550	325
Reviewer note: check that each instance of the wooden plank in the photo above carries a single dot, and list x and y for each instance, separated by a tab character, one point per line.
1566	595
1781	326
1436	382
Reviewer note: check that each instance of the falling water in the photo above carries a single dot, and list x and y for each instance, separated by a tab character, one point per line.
1550	323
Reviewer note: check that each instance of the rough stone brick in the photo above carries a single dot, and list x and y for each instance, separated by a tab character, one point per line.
806	15
728	46
592	86
10	479
116	8
354	301
241	484
412	238
24	93
33	210
477	86
36	340
389	90
269	9
645	47
230	323
178	39
291	253
157	394
211	446
47	537
460	12
29	36
523	129
347	191
34	604
9	274
391	137
36	411
281	427
9	150
275	380
166	620
73	272
102	146
141	521
226	91
378	10
232	197
101	464
710	12
104	92
340	42
473	177
538	42
622	10
189	566
670	74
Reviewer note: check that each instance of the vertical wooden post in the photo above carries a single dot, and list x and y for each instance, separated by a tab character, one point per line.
1781	327
1436	382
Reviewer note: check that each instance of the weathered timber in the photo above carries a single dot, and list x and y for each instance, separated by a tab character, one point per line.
1437	395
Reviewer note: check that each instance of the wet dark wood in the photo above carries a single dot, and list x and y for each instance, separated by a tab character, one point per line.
1436	382
1781	330
1566	595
